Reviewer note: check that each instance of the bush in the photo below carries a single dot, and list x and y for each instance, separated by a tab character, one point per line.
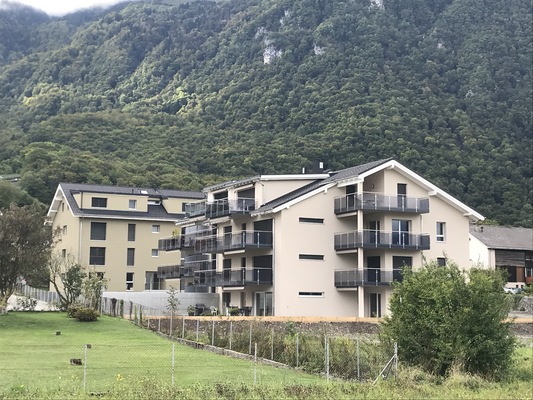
26	304
85	314
443	320
72	310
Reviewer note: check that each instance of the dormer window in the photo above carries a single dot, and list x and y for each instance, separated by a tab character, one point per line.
100	202
132	204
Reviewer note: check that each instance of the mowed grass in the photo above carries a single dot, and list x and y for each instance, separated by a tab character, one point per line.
33	356
126	362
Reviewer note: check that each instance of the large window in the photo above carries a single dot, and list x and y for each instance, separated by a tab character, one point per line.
441	231
400	232
130	262
98	230
131	232
100	202
97	256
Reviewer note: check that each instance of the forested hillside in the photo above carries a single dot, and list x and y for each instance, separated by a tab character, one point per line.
183	95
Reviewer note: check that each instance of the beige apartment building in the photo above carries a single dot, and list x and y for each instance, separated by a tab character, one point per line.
323	244
114	231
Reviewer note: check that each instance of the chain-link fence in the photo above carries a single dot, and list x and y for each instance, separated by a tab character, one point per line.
354	357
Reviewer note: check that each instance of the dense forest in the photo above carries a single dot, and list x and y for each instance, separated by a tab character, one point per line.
181	95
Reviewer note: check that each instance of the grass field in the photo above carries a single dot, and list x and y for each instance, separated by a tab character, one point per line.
33	356
126	362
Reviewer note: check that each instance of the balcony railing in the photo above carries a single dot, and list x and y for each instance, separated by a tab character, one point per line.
366	277
369	239
244	240
240	277
169	272
220	208
381	202
193	265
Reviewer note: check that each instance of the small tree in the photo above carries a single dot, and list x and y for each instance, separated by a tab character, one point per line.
66	276
172	304
442	318
25	246
93	287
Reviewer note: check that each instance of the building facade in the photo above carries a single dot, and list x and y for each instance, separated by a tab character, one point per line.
325	244
114	231
505	248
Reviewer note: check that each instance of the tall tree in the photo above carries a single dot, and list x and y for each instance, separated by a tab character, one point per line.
25	246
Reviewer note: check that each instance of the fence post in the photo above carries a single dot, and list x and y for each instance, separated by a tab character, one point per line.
395	361
197	329
358	362
255	363
173	364
326	349
230	333
272	344
297	350
213	333
183	327
250	341
159	323
85	367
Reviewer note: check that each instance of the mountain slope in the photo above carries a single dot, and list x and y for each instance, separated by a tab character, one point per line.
182	95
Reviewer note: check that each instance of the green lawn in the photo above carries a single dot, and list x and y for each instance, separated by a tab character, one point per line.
126	362
33	356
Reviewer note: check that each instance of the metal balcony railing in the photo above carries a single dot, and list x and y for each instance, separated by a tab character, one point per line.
381	202
169	272
220	207
370	239
366	277
240	277
244	240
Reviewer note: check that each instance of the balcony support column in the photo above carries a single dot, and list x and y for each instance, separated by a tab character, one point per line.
360	301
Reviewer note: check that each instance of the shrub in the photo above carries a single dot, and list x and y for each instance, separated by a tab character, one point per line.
443	319
86	314
72	310
26	304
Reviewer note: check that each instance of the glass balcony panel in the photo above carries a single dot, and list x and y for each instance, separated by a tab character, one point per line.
378	239
380	202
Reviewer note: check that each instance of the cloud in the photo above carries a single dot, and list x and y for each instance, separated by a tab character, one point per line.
61	7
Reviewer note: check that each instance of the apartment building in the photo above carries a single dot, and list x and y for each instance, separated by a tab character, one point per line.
325	244
509	249
114	231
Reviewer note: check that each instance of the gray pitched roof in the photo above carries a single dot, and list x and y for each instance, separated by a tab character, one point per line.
503	237
163	193
334	177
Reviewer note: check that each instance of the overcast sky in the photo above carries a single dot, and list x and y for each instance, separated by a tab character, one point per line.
62	7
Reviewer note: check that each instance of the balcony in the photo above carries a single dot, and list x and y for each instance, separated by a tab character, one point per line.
369	239
193	265
176	243
380	202
244	240
366	277
240	277
169	272
220	208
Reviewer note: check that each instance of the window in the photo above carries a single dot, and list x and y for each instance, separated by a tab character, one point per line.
100	202
156	228
129	280
130	258
155	253
441	261
311	256
64	230
98	230
64	253
132	204
311	294
97	256
311	220
62	206
131	232
441	231
400	232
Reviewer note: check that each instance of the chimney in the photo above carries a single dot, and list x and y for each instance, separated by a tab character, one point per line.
318	167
